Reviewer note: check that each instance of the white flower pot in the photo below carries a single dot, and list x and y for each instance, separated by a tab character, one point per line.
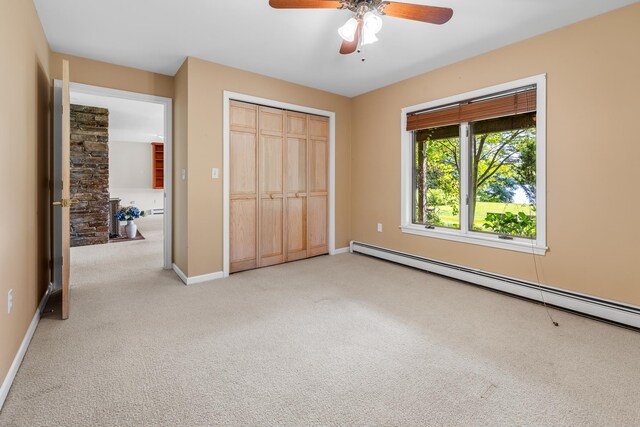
131	229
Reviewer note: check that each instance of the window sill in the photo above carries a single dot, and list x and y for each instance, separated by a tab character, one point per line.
476	239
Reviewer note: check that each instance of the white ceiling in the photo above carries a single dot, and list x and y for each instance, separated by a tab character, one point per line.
300	46
129	121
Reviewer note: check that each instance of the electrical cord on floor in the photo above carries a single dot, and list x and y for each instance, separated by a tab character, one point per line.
546	307
535	265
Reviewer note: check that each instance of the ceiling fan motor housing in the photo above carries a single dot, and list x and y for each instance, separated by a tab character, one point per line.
360	7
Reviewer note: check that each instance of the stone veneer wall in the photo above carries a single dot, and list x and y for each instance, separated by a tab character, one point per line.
89	175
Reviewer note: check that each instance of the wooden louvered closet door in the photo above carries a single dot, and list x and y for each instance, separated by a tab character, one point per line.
243	185
296	185
318	197
278	186
271	219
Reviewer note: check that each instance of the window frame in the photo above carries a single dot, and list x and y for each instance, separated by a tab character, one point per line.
538	245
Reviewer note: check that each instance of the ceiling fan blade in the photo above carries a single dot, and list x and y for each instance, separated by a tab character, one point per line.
349	47
417	12
305	4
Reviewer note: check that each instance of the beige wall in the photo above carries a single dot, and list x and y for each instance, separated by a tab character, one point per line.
103	74
24	160
206	83
592	70
180	122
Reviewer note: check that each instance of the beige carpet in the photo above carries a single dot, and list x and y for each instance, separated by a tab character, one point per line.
343	340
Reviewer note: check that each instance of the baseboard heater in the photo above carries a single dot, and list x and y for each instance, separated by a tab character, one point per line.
592	306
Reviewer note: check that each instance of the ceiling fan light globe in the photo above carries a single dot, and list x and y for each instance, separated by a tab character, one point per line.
368	37
348	30
372	22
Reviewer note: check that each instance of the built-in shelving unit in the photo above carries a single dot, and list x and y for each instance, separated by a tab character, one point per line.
157	152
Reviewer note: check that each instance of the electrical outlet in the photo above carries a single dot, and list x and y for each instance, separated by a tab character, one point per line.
379	228
184	174
10	301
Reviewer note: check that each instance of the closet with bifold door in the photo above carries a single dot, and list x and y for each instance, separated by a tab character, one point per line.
278	186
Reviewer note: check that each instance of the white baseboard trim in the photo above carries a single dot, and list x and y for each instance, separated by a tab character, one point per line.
197	279
344	250
17	361
180	274
574	301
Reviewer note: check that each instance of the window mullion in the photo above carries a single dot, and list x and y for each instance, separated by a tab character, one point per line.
464	178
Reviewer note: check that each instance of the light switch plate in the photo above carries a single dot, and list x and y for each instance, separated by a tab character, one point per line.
215	173
379	228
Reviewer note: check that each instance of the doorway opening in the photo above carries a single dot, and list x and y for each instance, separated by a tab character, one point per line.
121	166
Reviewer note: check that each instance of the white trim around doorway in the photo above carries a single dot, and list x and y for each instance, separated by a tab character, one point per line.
168	151
229	96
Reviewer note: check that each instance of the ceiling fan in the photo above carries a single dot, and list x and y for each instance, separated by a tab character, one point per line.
361	29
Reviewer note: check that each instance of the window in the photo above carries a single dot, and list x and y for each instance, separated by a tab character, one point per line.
473	167
502	179
436	177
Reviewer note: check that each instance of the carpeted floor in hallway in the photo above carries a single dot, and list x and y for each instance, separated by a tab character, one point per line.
340	340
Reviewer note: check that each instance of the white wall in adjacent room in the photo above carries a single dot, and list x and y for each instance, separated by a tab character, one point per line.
130	175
